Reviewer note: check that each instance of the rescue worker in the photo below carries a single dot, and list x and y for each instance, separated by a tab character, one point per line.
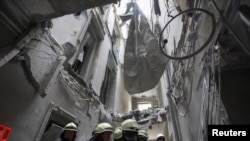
142	135
129	130
69	132
118	134
160	137
102	132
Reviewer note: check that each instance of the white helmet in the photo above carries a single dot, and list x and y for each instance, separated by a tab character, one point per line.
70	126
129	125
118	133
160	135
142	132
103	127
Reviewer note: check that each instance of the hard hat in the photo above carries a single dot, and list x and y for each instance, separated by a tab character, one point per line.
129	125
103	127
143	133
70	126
160	135
118	133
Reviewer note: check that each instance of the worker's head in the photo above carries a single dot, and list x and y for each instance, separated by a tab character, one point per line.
103	130
160	137
142	135
129	130
69	131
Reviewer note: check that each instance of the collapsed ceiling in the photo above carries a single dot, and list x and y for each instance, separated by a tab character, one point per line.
17	16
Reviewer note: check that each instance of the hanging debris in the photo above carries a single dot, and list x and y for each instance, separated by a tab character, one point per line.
144	118
144	63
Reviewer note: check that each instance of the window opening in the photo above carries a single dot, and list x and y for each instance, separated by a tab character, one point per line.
144	106
54	122
104	88
77	66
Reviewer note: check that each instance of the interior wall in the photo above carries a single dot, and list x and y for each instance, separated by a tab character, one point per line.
23	108
235	94
123	101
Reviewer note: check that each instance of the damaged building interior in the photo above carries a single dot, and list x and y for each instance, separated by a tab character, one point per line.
174	66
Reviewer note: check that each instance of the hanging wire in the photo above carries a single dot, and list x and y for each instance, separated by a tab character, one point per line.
162	42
